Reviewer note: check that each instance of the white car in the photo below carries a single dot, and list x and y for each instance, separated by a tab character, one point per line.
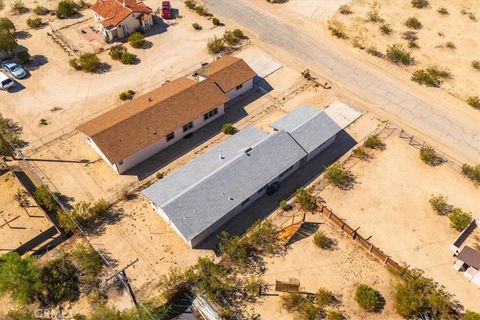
5	81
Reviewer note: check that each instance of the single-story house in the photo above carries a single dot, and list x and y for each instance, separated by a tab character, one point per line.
136	130
120	18
202	196
469	260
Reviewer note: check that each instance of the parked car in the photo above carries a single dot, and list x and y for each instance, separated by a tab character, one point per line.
5	82
14	69
166	10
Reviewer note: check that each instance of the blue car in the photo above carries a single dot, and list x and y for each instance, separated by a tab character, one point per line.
16	70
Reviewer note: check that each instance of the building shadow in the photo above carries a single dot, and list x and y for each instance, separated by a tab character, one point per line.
265	205
159	26
305	231
233	113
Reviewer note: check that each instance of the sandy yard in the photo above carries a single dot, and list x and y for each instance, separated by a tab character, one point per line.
23	223
176	50
389	202
437	30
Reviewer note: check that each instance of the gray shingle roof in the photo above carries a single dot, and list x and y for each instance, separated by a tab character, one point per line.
202	204
310	127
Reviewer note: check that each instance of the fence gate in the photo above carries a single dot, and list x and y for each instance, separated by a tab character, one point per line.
293	285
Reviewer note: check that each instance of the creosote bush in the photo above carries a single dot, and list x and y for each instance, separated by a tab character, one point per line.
88	62
397	54
196	26
216	21
386	28
335	315
374	16
295	302
430	76
474	102
337	29
228	128
337	175
34	23
367	298
413	23
373	142
323	241
40	10
306	200
284	205
430	156
439	204
471	315
18	7
325	297
345	9
459	219
137	40
215	45
450	45
66	9
472	172
360	153
476	65
190	4
443	11
126	95
419	4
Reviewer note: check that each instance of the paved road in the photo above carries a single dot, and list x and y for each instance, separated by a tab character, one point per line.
461	134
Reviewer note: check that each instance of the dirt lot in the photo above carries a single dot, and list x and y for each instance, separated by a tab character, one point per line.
437	30
24	223
389	202
176	49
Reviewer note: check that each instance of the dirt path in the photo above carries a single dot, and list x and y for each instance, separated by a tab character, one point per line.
381	87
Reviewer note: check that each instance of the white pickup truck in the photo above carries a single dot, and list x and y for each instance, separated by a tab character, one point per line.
5	82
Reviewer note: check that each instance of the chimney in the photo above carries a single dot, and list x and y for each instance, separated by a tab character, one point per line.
124	3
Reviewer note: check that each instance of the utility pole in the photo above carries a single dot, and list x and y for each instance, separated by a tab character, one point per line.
122	276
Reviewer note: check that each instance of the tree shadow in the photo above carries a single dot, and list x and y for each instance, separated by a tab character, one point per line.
22	35
306	230
99	226
103	68
37	61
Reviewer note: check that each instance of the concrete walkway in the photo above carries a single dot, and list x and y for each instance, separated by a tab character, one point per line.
462	134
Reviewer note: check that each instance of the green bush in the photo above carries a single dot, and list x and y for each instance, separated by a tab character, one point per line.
88	262
337	29
386	29
439	204
137	40
471	315
89	62
228	128
196	26
443	11
430	76
325	297
476	64
201	10
45	199
284	205
306	200
429	156
175	281
337	175
472	172
210	278
59	282
335	315
160	175
322	241
238	33
234	249
11	131
23	314
459	219
191	4
450	45
253	286
19	277
215	45
40	10
373	142
419	3
66	9
295	302
360	153
374	16
216	21
117	51
413	23
34	23
7	25
126	95
18	7
367	298
128	58
345	9
397	54
474	102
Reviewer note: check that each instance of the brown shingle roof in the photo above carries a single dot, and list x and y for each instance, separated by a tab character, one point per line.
470	256
113	12
133	126
228	72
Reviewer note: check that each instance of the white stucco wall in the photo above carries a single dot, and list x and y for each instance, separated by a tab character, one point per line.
100	153
232	94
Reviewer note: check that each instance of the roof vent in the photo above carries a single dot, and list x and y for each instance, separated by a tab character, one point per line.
150	99
247	151
221	156
230	198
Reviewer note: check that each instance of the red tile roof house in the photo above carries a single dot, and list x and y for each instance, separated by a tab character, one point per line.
118	19
136	130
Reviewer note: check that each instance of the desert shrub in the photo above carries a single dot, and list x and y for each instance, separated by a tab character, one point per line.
262	237
291	301
337	175
443	11
472	16
360	153
11	132
450	45
59	281
322	241
7	25
34	23
386	29
431	76
86	213
335	315
126	95
397	54
42	122
196	26
430	156
325	297
23	314
374	52
367	298
88	262
345	9
40	10
306	200
216	21
238	33
253	286
295	302
210	278
337	29
373	142
88	62
374	16
419	3
234	249
18	7
160	175
474	102
19	277
7	41
284	205
358	42
471	315
232	37
476	64
190	4
413	23
215	45
228	128
45	199
65	9
413	44
174	282
117	51
417	295
2	4
128	58
137	40
201	10
227	313
439	204
410	35
459	219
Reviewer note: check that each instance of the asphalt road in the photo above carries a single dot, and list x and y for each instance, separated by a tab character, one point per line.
462	134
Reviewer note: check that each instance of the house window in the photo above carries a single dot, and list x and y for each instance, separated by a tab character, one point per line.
170	136
188	126
239	87
210	114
